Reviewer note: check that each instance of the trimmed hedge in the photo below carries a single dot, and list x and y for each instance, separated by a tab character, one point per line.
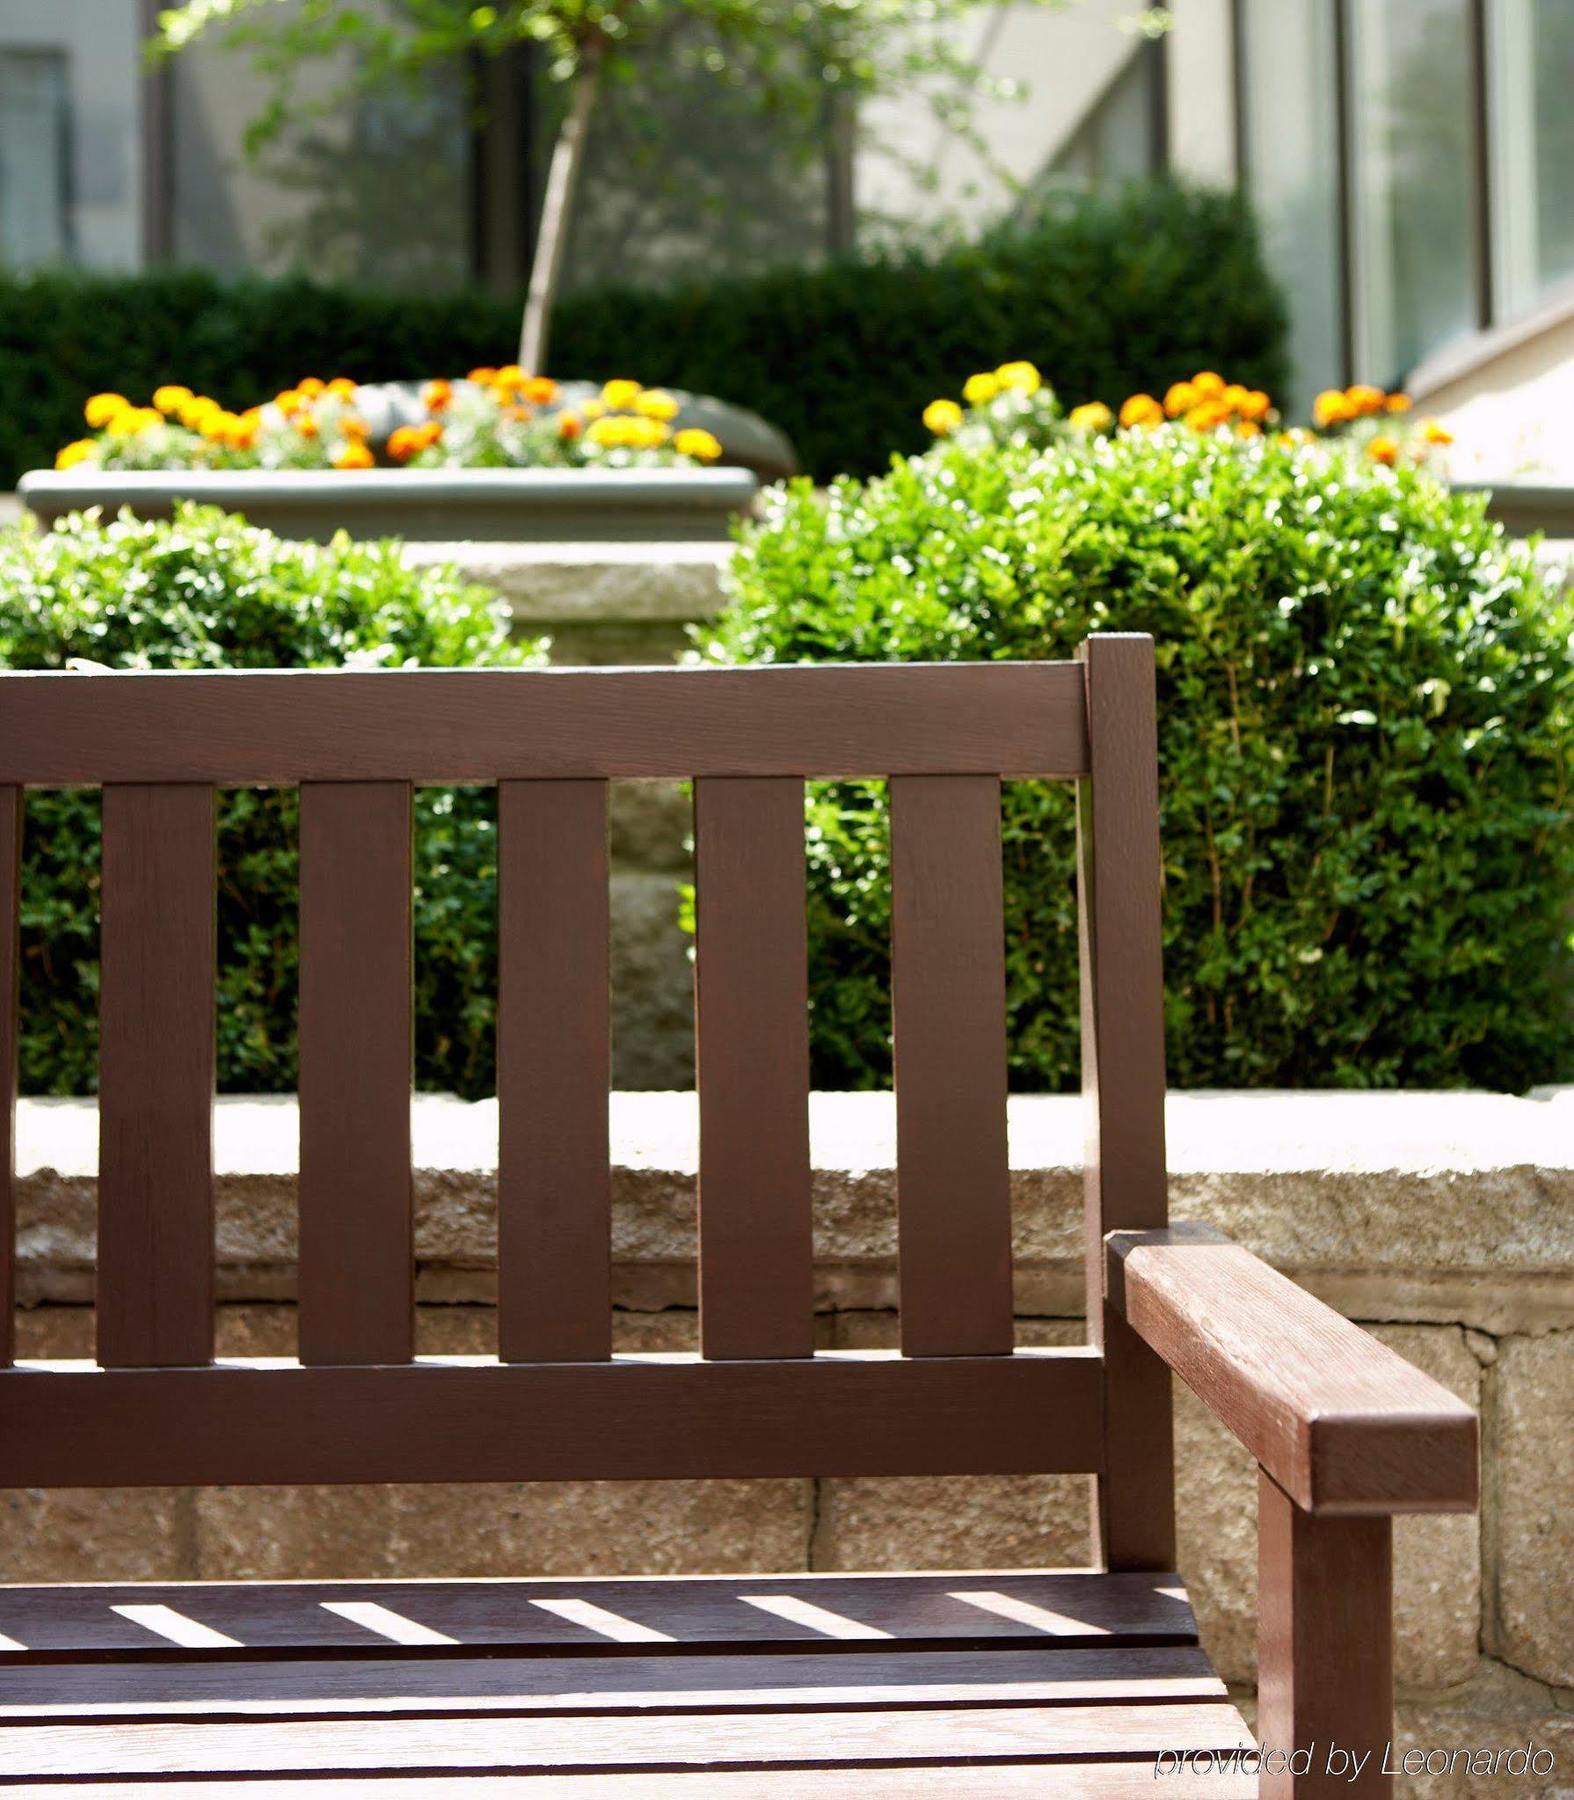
1366	730
1105	294
207	591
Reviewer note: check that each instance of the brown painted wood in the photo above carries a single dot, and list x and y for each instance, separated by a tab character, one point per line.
156	1070
132	1687
466	725
554	1181
948	1001
1123	1084
751	1006
10	897
357	1257
1091	1780
456	1420
1052	1611
943	1738
1324	1645
1341	1422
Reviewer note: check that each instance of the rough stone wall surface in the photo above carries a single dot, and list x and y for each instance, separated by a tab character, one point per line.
1443	1222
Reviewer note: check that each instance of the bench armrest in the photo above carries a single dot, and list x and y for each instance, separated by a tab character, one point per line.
1338	1420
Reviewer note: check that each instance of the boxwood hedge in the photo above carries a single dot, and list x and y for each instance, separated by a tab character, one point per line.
1365	728
207	591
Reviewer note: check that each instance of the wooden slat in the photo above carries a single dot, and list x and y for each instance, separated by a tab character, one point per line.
554	1182
949	1055
943	1738
130	1687
752	1026
1324	1644
357	1259
851	1413
1053	1611
10	891
156	1063
1341	1422
1123	1084
457	725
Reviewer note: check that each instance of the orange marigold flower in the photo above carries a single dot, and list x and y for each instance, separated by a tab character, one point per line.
701	445
1248	428
1362	398
1331	407
430	433
403	443
1208	384
289	402
569	426
435	395
1180	398
352	456
306	425
313	387
1141	409
1435	433
1383	450
541	389
1397	403
1256	405
481	376
1208	415
341	388
353	425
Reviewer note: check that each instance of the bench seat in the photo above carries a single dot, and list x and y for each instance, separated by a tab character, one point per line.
1051	1683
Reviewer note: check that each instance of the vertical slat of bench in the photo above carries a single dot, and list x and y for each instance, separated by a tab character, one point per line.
156	1055
949	1055
1123	1084
554	1190
357	1301
10	895
752	1025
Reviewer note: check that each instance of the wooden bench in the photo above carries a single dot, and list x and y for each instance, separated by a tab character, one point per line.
978	1683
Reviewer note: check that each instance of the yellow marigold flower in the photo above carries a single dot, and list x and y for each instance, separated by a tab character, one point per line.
1234	396
199	412
1207	415
289	402
980	389
243	433
71	454
1180	398
341	388
101	408
312	388
569	426
1383	450
541	389
699	444
352	456
132	421
1208	384
171	397
218	424
1019	377
657	403
942	416
605	432
1256	405
593	409
1397	403
435	395
509	376
306	425
1248	428
353	426
1093	416
480	377
1331	407
1363	398
1435	433
620	394
1141	409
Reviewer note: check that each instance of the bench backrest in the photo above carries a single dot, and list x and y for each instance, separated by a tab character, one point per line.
358	1405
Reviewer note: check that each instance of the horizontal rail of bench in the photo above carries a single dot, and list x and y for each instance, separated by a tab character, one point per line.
437	726
1342	1424
70	1424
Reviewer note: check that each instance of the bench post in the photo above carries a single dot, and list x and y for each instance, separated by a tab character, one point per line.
1325	1667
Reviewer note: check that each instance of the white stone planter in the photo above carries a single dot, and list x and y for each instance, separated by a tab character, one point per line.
423	505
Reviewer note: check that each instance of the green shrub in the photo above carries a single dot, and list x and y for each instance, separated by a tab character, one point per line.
1365	728
1107	294
207	591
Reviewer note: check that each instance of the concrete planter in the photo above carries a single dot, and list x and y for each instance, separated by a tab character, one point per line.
424	505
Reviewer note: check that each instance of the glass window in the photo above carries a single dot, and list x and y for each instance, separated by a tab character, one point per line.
1414	163
35	158
1532	59
1291	144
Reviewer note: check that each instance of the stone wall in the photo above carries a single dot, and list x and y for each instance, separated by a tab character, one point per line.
1443	1222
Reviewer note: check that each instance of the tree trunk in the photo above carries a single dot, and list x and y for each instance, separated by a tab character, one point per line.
557	208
